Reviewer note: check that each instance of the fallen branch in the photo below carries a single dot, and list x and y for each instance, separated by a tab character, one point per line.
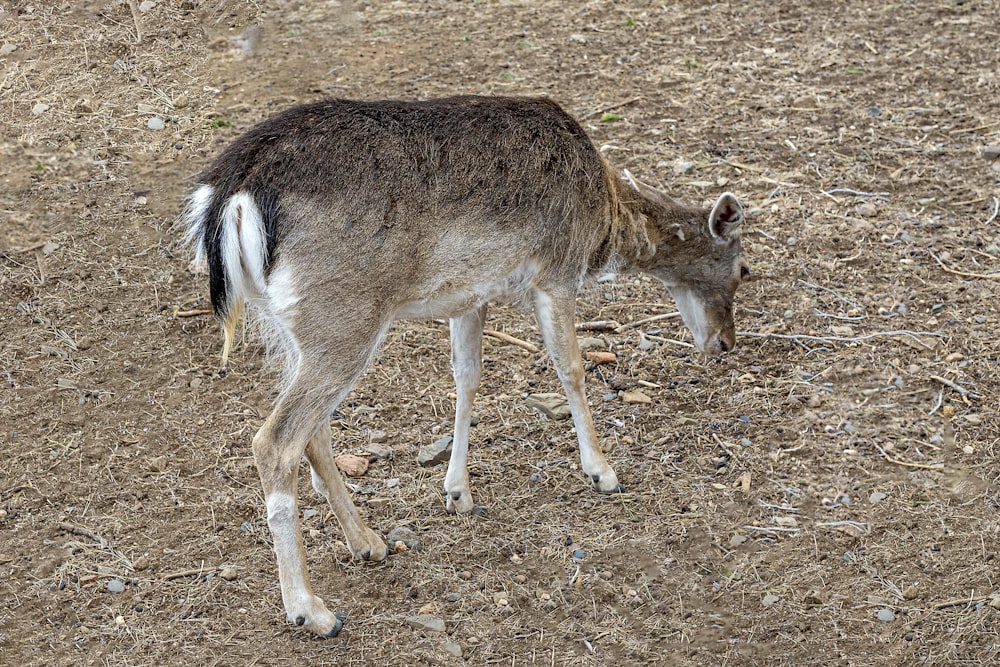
960	601
962	390
856	193
192	313
937	467
510	339
845	339
638	323
137	20
85	532
616	105
599	325
187	573
947	269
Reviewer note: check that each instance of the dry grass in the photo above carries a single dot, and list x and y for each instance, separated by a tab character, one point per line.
840	462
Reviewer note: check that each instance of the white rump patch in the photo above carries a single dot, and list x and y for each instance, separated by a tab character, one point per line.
243	246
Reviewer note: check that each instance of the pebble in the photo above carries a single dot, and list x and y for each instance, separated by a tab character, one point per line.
989	152
140	564
592	344
579	554
886	615
465	575
553	406
7	48
792	240
520	579
116	586
155	123
995	601
769	600
453	649
39	108
637	397
378	436
867	210
452	597
426	622
404	535
684	167
228	573
146	6
973	419
352	464
379	451
876	497
438	451
737	540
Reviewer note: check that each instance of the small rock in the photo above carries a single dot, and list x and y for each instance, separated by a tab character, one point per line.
876	497
973	419
155	123
116	586
452	597
867	210
636	396
195	383
465	575
995	601
989	152
7	48
910	592
684	167
404	535
579	554
453	649
438	451
39	108
886	615
592	344
228	573
791	240
737	540
426	622
140	564
954	356
378	436
769	600
146	5
601	357
379	451
553	406
352	464
83	106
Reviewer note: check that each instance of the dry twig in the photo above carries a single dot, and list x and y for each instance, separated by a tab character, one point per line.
947	269
507	338
192	313
198	571
646	320
957	602
996	209
937	467
138	22
845	339
85	532
962	390
599	325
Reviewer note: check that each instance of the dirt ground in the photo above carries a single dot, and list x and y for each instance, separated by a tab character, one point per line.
827	494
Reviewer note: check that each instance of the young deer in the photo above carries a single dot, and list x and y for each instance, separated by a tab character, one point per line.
333	219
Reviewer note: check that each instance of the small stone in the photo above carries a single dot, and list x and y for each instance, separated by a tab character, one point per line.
426	622
7	48
438	451
146	5
737	540
228	573
195	383
910	592
867	210
352	464
637	397
995	602
404	535
876	497
886	615
39	108
989	152
116	586
140	564
155	123
465	575
601	357
954	356
973	419
83	106
791	240
452	597
378	436
684	167
379	452
607	575
769	600
553	406
579	554
453	649
520	579
592	344
968	449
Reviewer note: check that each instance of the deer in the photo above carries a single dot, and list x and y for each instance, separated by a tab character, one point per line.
333	219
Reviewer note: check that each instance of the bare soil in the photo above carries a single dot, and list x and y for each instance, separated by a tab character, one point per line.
827	494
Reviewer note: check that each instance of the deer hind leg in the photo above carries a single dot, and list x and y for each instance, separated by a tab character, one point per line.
467	367
363	542
298	425
555	312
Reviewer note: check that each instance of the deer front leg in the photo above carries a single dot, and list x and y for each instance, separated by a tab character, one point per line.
363	542
555	319
467	367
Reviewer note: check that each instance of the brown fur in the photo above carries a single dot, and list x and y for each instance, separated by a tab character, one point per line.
335	218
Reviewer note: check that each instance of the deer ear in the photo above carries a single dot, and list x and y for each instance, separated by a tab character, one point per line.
726	217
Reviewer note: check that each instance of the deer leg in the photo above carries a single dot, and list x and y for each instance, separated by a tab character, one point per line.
467	367
554	313
278	448
363	542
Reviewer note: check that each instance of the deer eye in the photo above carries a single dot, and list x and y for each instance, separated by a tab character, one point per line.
744	272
